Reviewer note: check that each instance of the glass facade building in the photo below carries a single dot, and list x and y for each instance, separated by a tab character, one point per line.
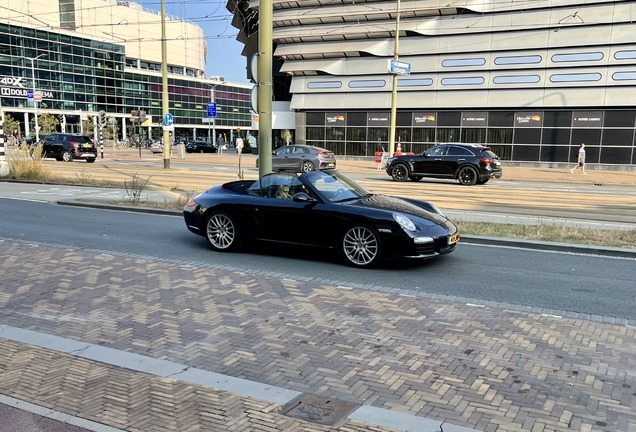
77	76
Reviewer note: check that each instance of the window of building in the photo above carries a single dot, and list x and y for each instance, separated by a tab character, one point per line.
557	119
463	81
356	119
473	135
67	14
424	135
448	135
579	77
449	118
519	79
464	62
513	60
577	57
499	136
621	76
324	84
366	83
625	55
423	82
356	133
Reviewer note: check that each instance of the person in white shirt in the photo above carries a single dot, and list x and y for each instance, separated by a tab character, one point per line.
581	160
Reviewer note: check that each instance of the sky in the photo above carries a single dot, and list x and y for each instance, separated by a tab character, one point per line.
224	52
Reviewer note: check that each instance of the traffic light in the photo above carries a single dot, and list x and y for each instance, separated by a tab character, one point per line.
62	119
102	118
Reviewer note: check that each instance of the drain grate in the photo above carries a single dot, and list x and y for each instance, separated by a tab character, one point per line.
318	409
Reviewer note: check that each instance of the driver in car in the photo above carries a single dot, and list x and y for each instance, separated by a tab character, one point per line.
283	192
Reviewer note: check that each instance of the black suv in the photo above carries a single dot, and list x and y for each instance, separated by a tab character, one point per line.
466	163
66	147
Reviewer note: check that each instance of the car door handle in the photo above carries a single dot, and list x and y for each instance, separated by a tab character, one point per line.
438	159
257	210
460	160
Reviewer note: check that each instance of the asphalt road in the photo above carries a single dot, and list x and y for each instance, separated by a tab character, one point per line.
554	280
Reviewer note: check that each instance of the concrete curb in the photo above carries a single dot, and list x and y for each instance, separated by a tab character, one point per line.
470	239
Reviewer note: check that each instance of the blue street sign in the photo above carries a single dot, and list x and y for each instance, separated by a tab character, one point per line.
211	109
168	119
30	95
399	68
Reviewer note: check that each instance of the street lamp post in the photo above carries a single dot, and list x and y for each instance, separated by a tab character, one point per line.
213	140
35	104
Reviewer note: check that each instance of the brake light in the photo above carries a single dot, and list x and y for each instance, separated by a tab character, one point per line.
486	160
191	203
73	144
324	153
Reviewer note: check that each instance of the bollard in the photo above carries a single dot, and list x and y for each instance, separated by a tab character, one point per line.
101	146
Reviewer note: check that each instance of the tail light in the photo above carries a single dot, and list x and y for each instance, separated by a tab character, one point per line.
73	144
191	203
324	154
486	160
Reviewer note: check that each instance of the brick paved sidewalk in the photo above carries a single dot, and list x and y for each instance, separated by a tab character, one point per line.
485	368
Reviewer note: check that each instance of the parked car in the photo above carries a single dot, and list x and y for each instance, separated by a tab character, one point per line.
66	147
200	147
156	147
321	209
302	158
466	163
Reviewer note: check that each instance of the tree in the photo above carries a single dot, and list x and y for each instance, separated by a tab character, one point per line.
286	135
88	126
48	123
11	126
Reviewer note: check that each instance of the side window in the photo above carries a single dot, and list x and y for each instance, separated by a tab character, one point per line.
283	151
436	151
255	189
458	151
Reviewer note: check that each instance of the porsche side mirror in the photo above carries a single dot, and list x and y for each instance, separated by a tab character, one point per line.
302	197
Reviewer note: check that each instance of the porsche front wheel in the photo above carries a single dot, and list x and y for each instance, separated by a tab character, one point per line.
361	246
221	232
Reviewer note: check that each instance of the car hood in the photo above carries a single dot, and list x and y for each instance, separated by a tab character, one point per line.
383	202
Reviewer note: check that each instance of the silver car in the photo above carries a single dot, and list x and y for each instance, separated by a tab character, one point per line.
302	158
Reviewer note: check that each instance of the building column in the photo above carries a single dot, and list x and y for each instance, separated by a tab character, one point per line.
123	128
194	134
26	124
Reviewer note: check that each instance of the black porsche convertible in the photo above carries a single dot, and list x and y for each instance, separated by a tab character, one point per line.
323	209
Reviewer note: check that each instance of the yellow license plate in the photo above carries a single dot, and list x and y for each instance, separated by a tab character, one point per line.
330	164
453	239
88	145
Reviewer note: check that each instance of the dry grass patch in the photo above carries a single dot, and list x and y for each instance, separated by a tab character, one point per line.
552	233
26	163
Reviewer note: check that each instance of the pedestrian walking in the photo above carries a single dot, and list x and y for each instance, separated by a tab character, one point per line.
581	161
239	145
220	143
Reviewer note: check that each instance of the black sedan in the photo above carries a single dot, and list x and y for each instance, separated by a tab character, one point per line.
200	147
322	209
466	163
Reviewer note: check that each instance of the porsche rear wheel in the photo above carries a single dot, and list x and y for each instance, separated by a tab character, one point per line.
361	246
221	232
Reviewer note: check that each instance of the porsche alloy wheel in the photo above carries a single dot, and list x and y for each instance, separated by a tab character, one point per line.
361	246
400	172
220	232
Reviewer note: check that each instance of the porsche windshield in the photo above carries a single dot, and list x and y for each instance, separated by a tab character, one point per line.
335	186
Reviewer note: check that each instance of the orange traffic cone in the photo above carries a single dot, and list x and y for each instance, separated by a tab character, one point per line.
398	152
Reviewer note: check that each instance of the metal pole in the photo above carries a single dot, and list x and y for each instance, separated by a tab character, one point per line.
35	104
265	45
164	81
212	94
395	83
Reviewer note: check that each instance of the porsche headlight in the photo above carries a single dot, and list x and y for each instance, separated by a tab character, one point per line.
406	223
